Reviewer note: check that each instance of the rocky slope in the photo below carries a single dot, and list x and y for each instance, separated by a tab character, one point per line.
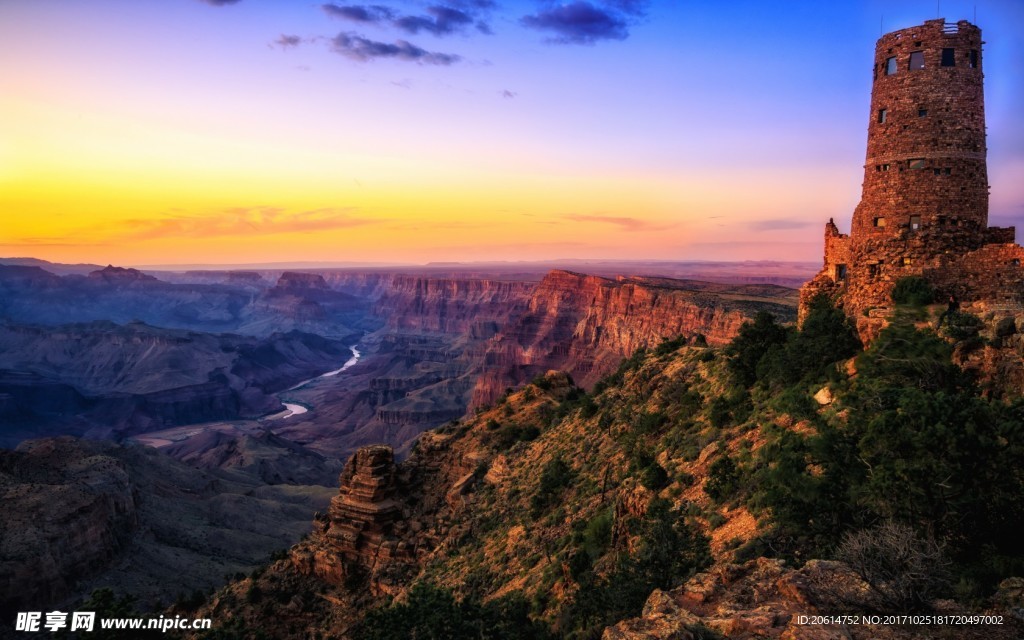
586	507
80	515
263	455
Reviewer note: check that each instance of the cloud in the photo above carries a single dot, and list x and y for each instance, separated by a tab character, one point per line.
220	3
367	14
578	23
505	93
241	221
777	224
625	223
632	7
358	48
287	42
441	21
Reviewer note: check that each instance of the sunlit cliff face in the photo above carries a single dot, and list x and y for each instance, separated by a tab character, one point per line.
243	132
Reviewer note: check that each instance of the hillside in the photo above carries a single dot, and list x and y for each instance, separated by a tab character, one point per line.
80	515
729	489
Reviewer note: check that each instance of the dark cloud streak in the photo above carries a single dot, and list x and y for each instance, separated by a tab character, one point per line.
362	49
441	21
579	23
366	14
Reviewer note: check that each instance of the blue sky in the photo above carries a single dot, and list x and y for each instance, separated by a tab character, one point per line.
142	132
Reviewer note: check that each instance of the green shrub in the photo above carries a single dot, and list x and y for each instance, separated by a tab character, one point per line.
914	291
961	325
723	479
555	477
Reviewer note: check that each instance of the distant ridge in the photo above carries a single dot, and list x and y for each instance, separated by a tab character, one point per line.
58	268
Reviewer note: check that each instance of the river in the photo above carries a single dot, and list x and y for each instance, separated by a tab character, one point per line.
293	409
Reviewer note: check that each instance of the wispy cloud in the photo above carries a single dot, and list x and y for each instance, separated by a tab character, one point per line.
624	222
239	221
776	224
440	19
220	3
285	41
366	14
364	50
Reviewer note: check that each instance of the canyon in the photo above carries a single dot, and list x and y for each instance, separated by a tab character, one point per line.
203	365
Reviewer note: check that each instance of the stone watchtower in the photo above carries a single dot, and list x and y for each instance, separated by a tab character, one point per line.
924	204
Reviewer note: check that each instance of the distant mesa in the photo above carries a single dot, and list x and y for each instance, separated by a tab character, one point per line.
245	277
120	275
296	280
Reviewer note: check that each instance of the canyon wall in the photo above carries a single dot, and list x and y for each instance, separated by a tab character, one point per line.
585	324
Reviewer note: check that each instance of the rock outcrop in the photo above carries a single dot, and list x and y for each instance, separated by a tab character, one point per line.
764	598
360	536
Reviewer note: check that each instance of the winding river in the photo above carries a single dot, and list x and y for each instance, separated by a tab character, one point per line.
292	409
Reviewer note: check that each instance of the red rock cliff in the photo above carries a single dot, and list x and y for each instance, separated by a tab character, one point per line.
586	324
451	306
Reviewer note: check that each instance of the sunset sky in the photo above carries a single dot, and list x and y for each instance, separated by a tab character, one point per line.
257	131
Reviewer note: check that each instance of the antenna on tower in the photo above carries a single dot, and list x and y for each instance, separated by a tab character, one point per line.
881	21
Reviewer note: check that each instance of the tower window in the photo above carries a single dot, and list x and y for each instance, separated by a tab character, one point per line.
947	171
915	223
937	172
879	223
907	261
883	115
840	272
922	113
915	163
974	58
916	60
949	57
885	167
890	66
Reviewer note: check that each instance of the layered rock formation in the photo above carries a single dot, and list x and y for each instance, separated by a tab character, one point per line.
474	307
585	325
360	536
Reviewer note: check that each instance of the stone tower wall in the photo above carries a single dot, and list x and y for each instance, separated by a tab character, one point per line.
926	138
925	178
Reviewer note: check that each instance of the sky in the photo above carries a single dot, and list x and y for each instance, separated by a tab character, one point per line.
257	131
